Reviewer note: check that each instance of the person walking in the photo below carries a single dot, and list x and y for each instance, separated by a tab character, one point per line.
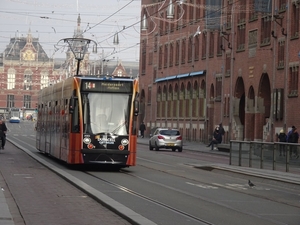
282	138
3	130
217	138
142	129
293	137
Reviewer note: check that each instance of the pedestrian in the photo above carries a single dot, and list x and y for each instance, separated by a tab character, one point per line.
221	129
282	138
142	129
3	130
217	138
293	137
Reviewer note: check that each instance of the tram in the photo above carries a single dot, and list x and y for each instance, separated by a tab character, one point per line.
14	115
89	120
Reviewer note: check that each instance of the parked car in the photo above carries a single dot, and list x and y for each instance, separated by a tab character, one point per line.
166	138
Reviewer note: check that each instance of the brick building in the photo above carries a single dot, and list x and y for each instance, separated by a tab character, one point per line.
25	68
204	62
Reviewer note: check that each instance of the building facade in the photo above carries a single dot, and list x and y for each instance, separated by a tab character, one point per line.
25	68
204	62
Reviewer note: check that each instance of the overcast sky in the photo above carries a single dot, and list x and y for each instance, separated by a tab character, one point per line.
53	20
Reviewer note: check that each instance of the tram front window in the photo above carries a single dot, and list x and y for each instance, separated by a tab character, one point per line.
106	113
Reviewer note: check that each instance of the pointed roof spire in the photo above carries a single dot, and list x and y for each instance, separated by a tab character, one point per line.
78	22
29	36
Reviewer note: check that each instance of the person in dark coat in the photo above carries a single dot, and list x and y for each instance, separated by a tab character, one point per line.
142	129
221	129
3	130
217	138
282	138
293	137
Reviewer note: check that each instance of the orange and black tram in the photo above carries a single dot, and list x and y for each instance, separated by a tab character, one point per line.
89	120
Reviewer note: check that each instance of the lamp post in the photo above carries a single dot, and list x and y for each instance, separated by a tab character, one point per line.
79	47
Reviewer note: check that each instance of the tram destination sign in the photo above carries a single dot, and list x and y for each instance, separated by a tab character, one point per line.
107	86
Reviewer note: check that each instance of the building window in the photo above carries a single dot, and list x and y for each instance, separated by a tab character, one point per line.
28	80
10	101
252	39
150	58
171	54
11	78
228	64
177	53
189	101
229	15
204	42
253	15
295	21
211	44
160	55
181	101
190	49
202	100
155	43
144	52
293	80
154	74
175	102
119	73
183	51
241	37
197	41
149	95
27	101
191	13
280	64
265	30
159	103
170	102
219	44
164	102
44	79
198	10
166	54
195	101
161	25
278	103
218	88
282	5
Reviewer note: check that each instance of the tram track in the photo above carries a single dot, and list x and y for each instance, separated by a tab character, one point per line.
171	208
146	198
283	189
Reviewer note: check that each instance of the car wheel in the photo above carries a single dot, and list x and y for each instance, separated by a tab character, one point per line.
150	147
180	149
156	147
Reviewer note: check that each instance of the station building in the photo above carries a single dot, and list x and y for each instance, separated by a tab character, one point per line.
204	62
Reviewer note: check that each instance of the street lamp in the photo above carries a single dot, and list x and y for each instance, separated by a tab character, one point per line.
79	47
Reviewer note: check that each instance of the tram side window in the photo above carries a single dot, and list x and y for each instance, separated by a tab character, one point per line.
75	115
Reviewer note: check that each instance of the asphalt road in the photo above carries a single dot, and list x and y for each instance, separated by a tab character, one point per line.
167	189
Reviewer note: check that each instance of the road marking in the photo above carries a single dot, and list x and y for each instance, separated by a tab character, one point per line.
202	186
232	186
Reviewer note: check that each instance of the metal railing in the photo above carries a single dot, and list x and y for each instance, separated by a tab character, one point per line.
279	156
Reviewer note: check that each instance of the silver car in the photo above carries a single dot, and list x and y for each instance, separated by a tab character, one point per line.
166	138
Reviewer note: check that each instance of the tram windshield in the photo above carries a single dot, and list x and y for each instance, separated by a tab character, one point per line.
106	113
